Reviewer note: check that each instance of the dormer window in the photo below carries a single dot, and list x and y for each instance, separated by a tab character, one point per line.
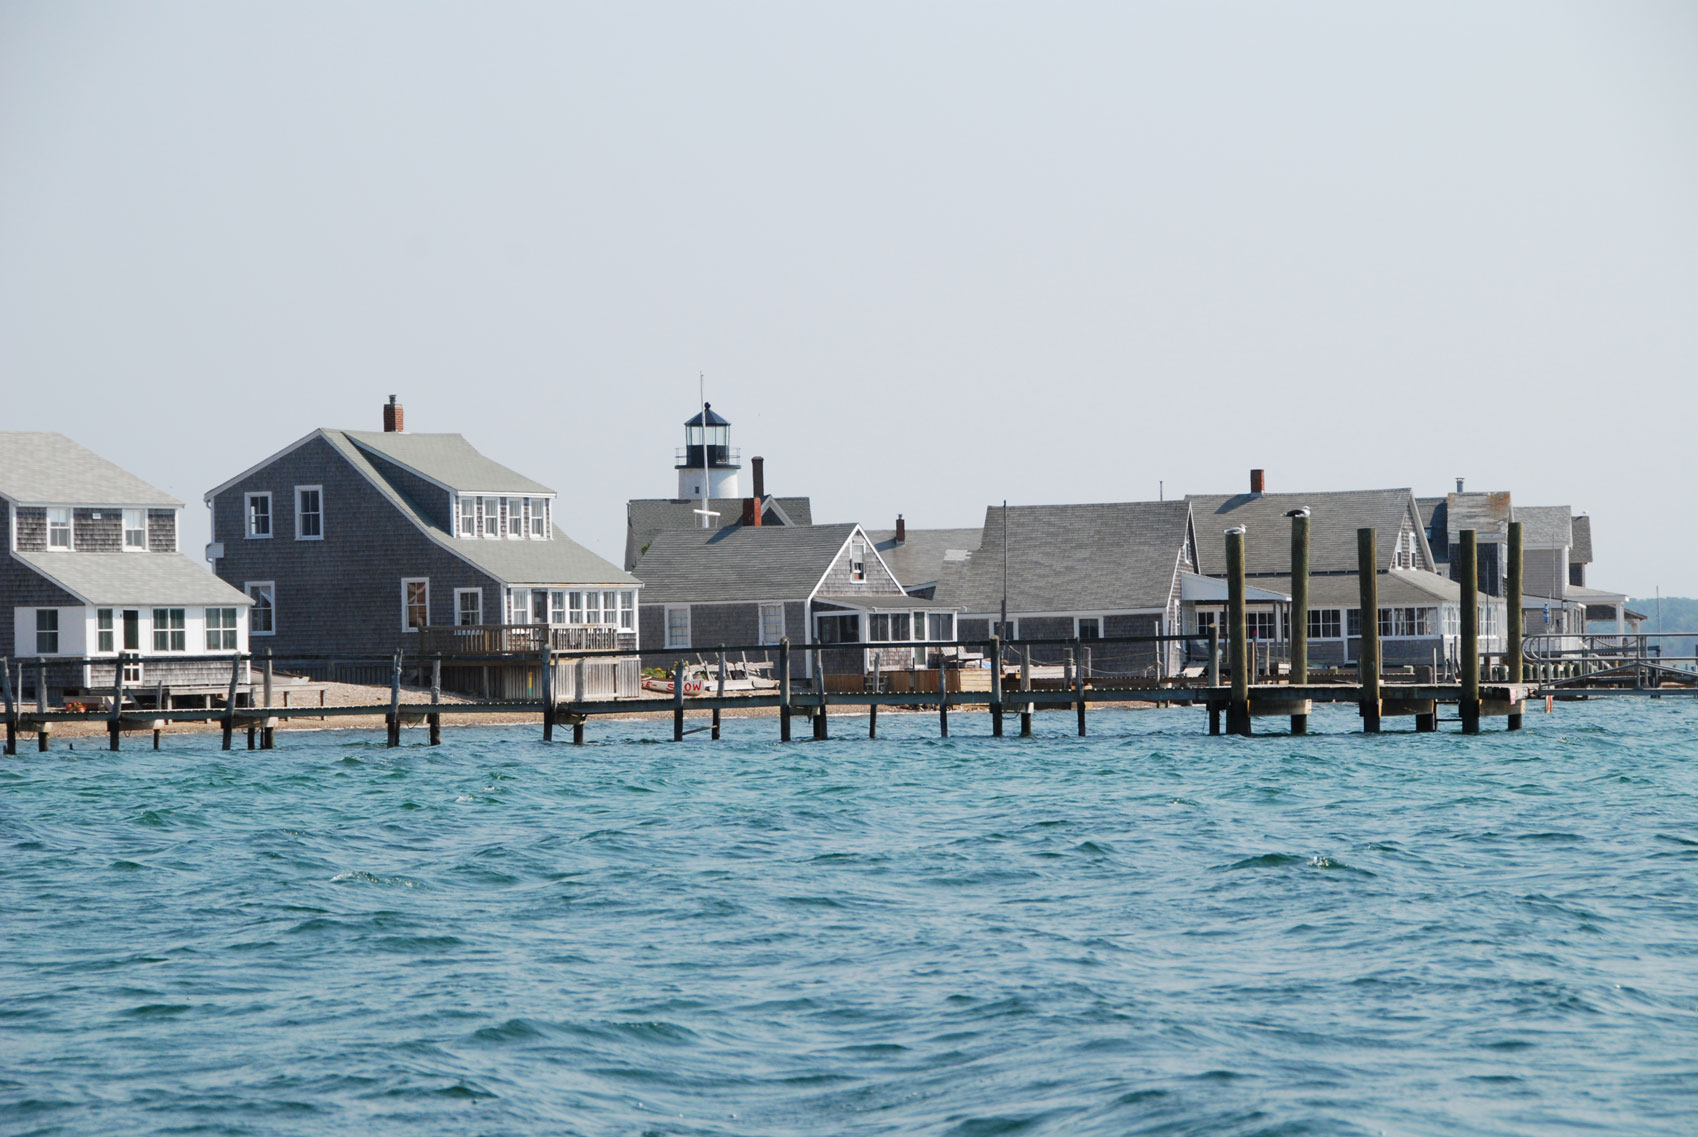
468	516
59	528
539	518
514	509
857	561
135	530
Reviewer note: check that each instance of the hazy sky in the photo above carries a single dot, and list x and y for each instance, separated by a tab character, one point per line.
929	256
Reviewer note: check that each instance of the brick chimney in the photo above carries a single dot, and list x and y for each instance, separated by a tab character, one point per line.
392	416
758	465
752	512
1258	485
901	529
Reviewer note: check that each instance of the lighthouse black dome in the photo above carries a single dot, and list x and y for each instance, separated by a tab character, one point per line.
714	418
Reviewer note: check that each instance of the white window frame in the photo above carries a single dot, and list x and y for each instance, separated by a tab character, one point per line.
465	515
141	516
226	633
407	626
299	513
176	635
513	518
63	518
673	642
628	610
105	635
248	500
44	617
490	509
858	562
539	519
768	634
1078	624
254	590
1318	620
459	605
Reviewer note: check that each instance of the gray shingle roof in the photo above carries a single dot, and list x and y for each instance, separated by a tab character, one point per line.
1411	587
1545	526
46	468
134	578
557	561
1335	517
781	562
1488	514
918	561
445	458
644	517
1109	557
1581	553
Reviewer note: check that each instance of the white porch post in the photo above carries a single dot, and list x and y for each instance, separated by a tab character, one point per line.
1620	619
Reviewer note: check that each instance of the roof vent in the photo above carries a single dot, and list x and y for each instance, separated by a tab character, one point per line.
392	416
1459	485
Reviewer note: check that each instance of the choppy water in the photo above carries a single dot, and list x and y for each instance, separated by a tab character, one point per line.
1144	932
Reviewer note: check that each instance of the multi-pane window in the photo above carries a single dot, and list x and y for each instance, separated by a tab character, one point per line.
220	629
309	513
46	631
170	632
1259	625
58	528
263	615
468	516
857	560
1089	628
135	529
889	627
539	517
1323	623
104	631
514	509
574	607
677	626
259	514
940	625
415	604
628	611
772	623
468	606
592	608
1405	621
838	629
1205	621
1353	622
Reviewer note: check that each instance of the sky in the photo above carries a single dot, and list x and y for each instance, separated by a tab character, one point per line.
924	257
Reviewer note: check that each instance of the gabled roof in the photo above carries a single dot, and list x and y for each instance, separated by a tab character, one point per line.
747	563
1580	553
918	561
1109	557
46	468
446	459
134	578
1545	526
1335	516
644	517
1411	587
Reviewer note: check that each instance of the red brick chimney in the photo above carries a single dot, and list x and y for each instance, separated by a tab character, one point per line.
392	416
901	529
758	465
1257	482
752	512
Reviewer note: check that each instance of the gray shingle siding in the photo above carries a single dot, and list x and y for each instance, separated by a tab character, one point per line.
433	502
97	530
162	530
839	580
32	529
342	594
20	587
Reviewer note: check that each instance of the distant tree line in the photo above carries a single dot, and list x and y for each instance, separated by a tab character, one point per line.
1679	614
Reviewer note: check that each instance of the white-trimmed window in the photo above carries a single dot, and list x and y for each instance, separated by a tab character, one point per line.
940	625
59	528
677	626
309	513
628	610
262	617
135	530
258	509
415	603
220	629
772	623
468	516
1259	625
513	511
490	507
539	518
105	634
574	607
468	606
889	627
1085	627
592	608
47	631
1207	619
857	560
1323	623
170	630
1352	622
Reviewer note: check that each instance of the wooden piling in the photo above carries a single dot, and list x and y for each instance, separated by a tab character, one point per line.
115	721
1079	686
11	708
872	720
435	717
230	701
1025	687
1468	555
996	687
821	730
1368	660
1238	706
784	689
268	729
578	732
547	692
393	720
720	692
1515	631
1300	610
678	700
942	699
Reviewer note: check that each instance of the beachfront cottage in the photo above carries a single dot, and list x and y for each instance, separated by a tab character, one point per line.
354	543
755	585
1091	571
1419	619
93	571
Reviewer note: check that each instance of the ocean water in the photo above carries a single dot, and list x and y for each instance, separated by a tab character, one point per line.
1143	932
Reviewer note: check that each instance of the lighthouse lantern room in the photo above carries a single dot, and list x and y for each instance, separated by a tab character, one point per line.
707	465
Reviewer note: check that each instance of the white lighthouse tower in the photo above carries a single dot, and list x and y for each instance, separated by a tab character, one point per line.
707	466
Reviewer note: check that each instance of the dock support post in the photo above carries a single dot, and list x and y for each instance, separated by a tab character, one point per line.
719	694
784	689
678	700
1079	684
578	732
435	719
253	731
1238	706
394	717
942	699
872	720
1469	556
821	731
996	687
11	708
230	700
1026	688
1512	650
1368	663
547	692
1299	610
114	724
267	730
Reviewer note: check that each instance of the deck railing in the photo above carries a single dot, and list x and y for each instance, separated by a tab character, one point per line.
522	639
